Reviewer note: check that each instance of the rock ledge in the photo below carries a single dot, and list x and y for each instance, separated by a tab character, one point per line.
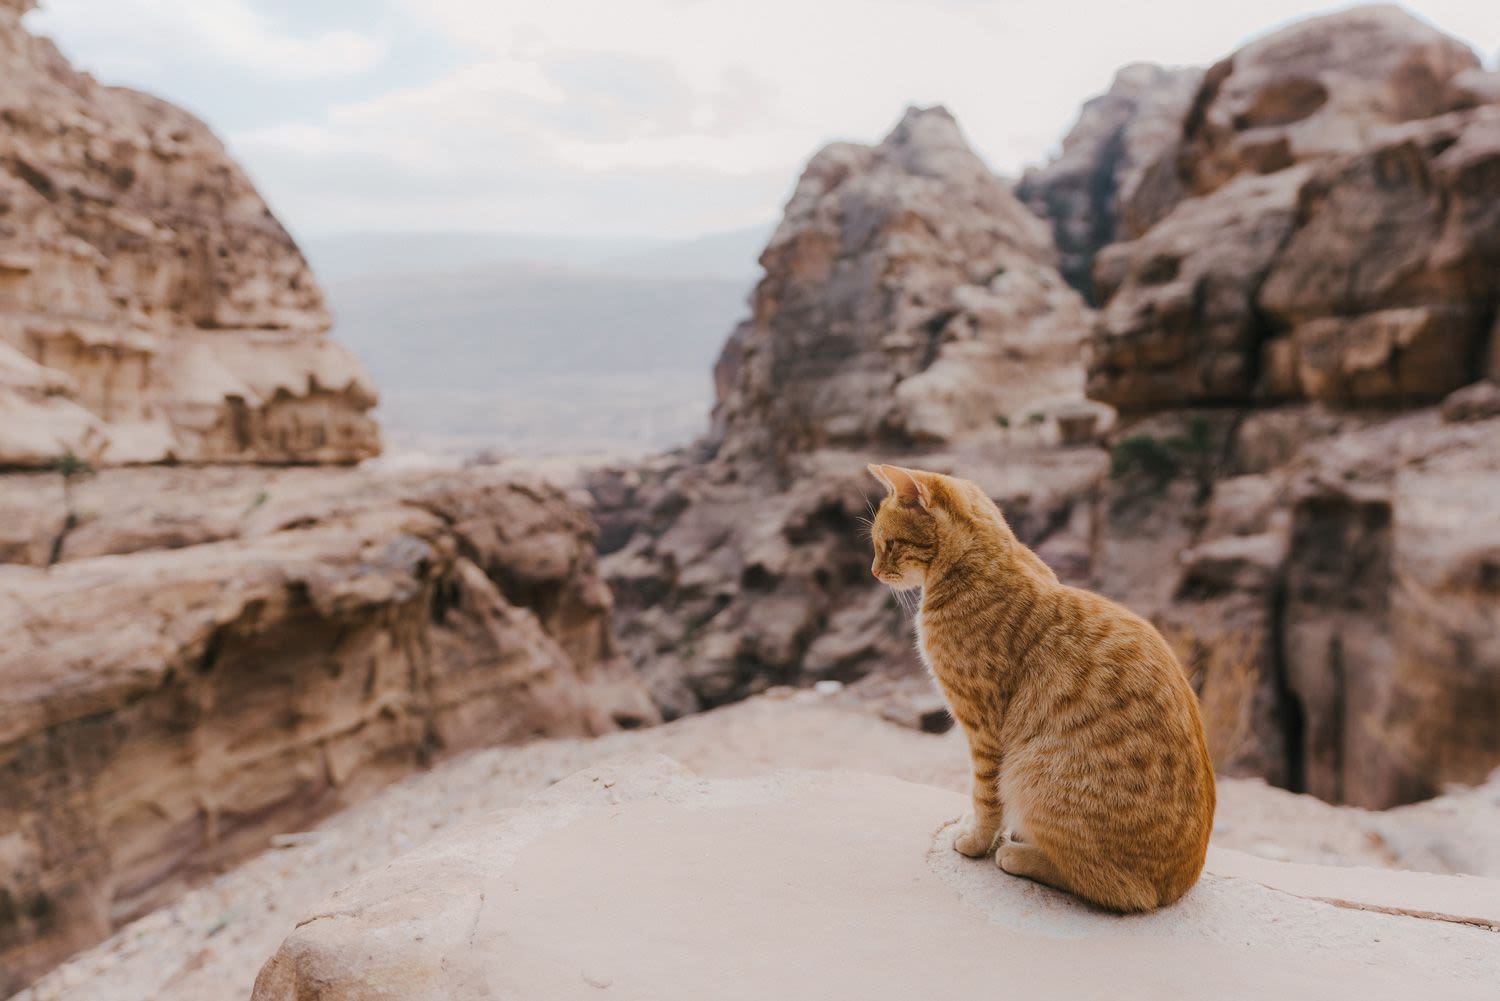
639	878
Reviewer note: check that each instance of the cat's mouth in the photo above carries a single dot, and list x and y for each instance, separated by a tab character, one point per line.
899	581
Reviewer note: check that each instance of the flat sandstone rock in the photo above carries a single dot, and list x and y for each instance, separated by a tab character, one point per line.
638	879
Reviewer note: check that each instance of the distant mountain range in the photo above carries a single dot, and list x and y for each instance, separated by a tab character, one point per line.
730	254
538	345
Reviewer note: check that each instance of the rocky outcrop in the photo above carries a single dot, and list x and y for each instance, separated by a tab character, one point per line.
869	900
909	306
1321	87
216	656
908	299
1117	172
151	307
1336	576
1341	244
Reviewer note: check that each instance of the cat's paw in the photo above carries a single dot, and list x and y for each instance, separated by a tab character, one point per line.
970	841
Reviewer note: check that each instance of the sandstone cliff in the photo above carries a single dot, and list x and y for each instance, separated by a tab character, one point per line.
1117	172
228	654
151	307
1340	244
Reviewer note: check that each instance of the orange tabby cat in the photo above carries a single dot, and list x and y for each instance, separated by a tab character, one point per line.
1090	766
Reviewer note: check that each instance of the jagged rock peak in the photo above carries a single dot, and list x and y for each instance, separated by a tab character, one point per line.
928	142
877	280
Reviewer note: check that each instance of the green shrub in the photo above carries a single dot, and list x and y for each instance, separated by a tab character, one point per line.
1162	460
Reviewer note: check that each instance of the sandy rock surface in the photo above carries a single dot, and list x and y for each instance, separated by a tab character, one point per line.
151	307
210	944
637	877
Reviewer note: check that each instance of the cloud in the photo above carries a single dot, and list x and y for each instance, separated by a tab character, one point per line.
150	33
667	117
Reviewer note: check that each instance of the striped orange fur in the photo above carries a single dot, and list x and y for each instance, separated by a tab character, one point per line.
1091	771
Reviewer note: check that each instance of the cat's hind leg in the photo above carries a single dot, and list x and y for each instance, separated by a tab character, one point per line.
1021	859
1114	891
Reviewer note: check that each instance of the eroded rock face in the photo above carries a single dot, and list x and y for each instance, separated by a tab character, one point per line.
151	307
1393	607
1385	291
909	308
239	652
1341	246
870	901
1180	324
1335	587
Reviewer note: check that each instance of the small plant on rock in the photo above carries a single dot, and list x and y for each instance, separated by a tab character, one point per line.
71	468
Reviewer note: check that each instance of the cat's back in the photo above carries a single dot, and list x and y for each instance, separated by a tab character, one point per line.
1112	766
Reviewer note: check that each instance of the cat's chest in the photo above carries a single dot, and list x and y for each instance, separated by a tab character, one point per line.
931	653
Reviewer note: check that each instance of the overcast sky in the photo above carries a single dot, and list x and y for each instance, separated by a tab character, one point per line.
626	117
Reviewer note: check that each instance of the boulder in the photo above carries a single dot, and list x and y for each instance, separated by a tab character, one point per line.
161	311
865	897
1478	402
229	654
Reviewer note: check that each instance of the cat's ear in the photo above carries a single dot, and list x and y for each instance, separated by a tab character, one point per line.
910	486
878	471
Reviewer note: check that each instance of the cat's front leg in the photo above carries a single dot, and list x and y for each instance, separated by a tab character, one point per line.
979	830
